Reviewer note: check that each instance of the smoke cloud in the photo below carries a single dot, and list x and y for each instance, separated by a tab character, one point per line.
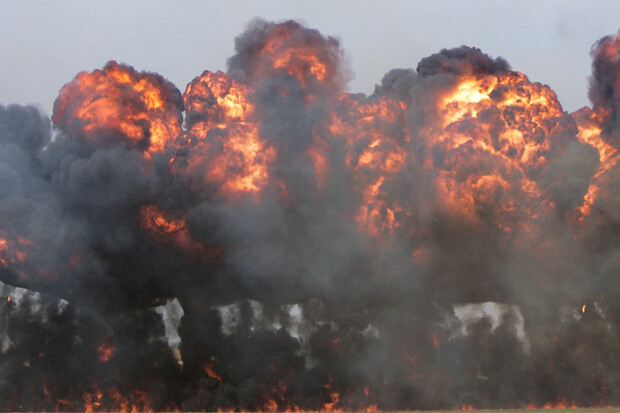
266	241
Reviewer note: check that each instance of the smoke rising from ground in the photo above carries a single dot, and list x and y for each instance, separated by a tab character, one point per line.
265	241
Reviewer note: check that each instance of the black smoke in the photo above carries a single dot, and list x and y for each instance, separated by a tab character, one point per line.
285	302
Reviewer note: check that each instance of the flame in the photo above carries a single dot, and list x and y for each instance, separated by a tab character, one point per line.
164	226
330	407
525	109
476	152
229	155
215	100
3	248
595	124
271	406
141	107
92	401
106	351
284	50
490	130
158	224
562	404
210	370
589	123
375	156
317	154
113	400
242	165
12	251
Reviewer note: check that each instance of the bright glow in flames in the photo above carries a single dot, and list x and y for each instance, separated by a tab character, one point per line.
420	169
141	107
230	153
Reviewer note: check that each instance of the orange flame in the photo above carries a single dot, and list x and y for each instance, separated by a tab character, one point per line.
142	107
299	56
12	251
210	370
483	146
113	400
562	404
165	226
106	351
375	156
230	155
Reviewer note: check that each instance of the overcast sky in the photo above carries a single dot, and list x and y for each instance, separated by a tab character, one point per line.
44	44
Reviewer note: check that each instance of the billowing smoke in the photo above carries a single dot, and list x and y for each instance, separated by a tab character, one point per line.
605	86
266	241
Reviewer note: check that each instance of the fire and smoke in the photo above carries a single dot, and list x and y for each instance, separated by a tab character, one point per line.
266	241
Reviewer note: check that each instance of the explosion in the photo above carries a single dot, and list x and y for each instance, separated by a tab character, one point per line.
268	241
119	103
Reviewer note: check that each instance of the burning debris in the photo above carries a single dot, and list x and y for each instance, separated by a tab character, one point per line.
266	241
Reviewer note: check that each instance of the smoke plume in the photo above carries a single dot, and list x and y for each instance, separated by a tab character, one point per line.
267	241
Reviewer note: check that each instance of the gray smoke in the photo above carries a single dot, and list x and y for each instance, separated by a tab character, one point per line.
604	89
277	299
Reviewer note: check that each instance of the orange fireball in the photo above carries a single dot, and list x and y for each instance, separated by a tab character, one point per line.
228	155
117	103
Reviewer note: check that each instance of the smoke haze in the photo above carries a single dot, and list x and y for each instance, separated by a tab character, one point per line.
265	241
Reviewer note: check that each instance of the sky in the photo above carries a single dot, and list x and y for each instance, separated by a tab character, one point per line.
44	44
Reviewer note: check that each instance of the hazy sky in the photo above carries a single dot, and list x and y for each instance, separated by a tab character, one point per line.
44	44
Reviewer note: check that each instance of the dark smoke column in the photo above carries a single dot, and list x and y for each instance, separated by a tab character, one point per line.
605	86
